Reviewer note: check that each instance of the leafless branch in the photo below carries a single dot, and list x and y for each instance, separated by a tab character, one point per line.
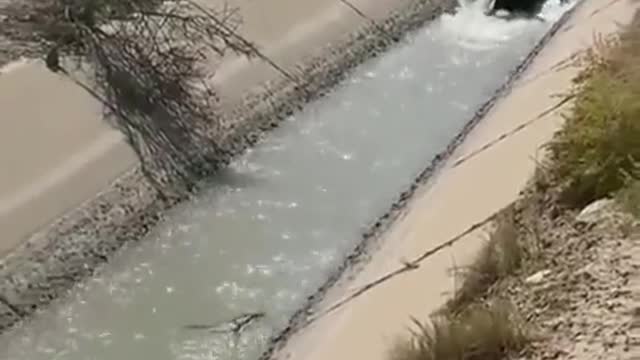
234	326
146	61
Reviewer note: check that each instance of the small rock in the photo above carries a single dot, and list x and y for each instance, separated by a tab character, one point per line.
593	212
537	277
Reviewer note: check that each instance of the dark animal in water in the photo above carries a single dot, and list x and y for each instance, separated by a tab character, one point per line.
53	60
524	8
518	8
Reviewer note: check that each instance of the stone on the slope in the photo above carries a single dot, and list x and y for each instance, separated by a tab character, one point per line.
596	211
537	277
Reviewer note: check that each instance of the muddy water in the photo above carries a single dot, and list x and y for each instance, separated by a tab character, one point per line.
272	226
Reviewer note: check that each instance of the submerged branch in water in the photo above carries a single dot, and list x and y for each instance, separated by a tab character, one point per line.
233	326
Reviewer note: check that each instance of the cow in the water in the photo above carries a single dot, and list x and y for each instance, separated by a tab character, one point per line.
517	8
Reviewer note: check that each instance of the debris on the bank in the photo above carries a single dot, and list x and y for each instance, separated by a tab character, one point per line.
537	277
593	212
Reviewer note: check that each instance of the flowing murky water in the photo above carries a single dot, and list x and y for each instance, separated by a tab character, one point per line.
274	224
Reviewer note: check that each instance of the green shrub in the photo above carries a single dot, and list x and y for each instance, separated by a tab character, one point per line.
600	140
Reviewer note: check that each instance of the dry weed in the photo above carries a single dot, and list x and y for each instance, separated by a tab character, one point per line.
480	332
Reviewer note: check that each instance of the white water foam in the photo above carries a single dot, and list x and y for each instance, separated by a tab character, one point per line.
472	29
13	66
554	9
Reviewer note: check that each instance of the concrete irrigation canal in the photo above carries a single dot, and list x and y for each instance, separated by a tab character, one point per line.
271	228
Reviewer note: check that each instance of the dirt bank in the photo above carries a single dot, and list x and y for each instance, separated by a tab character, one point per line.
62	254
580	292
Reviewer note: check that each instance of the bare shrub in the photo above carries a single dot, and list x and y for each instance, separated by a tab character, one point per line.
145	60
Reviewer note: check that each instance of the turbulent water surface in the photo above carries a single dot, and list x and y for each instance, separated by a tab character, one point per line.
272	226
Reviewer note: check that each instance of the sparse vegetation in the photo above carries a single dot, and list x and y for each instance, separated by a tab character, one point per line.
482	332
501	256
629	197
467	328
597	149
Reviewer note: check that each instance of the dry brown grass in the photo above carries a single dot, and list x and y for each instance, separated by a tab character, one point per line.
501	256
466	329
629	196
480	332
